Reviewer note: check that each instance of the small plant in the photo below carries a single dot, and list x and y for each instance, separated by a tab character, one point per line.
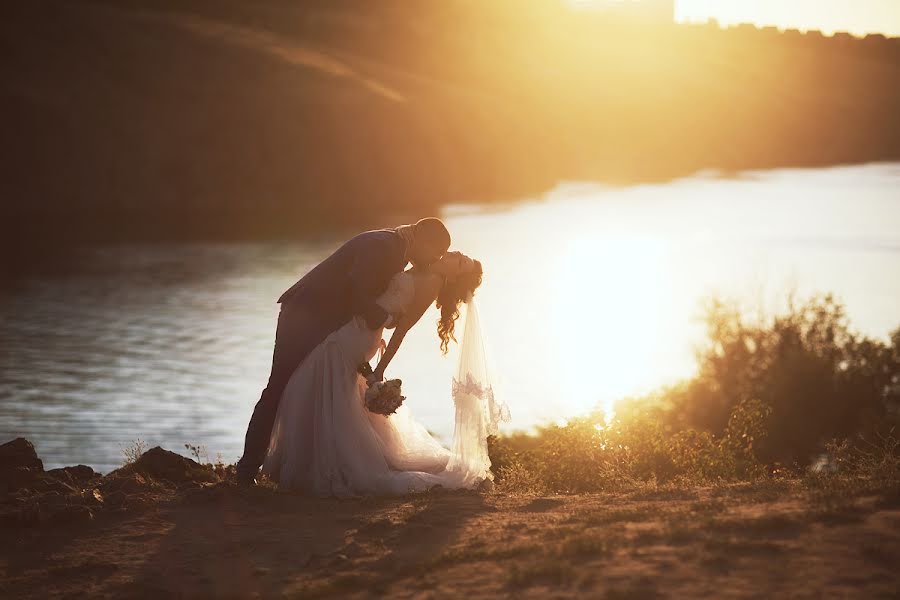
198	452
133	452
201	455
518	478
864	466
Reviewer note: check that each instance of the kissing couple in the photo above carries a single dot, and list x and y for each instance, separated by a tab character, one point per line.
311	430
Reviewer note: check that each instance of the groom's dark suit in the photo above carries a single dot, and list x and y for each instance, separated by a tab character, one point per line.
343	285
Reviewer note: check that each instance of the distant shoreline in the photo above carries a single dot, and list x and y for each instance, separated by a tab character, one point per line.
262	120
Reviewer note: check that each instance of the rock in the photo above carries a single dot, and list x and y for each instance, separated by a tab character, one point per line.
168	466
94	497
52	499
76	474
45	511
126	483
70	515
9	519
115	498
45	483
19	465
190	486
32	514
486	486
205	494
120	502
12	499
19	453
16	478
139	503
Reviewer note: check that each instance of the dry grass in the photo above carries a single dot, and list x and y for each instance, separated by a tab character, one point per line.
727	540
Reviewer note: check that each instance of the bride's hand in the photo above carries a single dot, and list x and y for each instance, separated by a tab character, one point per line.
375	377
394	320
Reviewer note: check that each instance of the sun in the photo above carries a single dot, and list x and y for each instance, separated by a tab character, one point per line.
610	302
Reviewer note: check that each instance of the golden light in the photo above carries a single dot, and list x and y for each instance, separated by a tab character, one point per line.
829	16
611	295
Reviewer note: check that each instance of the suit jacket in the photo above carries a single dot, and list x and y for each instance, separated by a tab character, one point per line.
348	282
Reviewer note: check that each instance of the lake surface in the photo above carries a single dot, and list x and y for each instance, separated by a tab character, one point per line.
590	294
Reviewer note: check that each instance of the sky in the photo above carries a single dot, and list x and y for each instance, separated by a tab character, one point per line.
856	16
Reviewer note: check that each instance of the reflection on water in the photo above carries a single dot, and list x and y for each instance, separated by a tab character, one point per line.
589	295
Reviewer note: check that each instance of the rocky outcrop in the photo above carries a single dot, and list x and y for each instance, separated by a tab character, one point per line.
30	496
19	453
76	474
19	464
164	465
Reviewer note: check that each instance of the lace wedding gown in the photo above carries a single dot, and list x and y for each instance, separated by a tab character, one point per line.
326	443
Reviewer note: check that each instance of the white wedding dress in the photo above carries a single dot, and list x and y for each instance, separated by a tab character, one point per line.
326	443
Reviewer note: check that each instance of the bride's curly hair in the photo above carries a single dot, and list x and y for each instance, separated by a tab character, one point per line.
453	293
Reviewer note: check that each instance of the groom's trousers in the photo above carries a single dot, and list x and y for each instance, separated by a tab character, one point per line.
300	329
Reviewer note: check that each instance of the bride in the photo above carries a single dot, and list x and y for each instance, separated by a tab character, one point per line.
326	443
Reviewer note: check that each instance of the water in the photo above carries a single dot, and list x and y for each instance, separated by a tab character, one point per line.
590	294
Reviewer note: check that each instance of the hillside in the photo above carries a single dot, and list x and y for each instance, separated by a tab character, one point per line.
168	119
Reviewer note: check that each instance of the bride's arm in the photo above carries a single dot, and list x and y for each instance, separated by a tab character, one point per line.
427	287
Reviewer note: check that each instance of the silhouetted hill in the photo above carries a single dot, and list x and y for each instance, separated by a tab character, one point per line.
211	118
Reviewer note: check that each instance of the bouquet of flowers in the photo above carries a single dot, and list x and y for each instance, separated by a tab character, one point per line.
382	397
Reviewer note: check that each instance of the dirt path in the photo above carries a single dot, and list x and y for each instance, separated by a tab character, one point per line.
739	542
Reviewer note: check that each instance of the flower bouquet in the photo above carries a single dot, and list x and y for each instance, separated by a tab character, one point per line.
382	397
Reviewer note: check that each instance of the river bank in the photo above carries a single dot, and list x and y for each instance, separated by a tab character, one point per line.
165	525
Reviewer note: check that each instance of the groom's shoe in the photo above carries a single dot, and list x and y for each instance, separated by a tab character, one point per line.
245	479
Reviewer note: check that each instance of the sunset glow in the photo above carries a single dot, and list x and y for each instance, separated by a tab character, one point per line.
859	17
610	317
541	298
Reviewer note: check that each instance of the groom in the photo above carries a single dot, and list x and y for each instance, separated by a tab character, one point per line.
341	286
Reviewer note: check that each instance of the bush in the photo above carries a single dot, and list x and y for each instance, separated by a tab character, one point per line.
588	455
820	379
862	467
768	393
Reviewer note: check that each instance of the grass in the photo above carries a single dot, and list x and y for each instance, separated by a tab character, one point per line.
578	499
607	545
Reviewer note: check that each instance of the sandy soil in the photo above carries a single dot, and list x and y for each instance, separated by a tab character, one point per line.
217	540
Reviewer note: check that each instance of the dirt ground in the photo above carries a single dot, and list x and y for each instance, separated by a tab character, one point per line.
217	540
